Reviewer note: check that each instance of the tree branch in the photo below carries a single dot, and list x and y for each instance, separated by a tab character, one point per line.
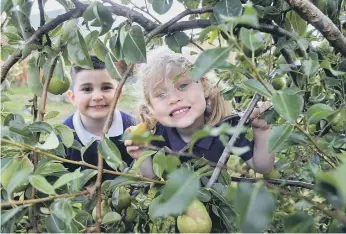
227	151
34	201
34	39
281	182
309	12
175	19
80	163
133	15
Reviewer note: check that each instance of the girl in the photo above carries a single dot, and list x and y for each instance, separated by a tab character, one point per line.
175	107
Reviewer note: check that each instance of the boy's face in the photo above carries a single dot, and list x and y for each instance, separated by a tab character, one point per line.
92	94
181	104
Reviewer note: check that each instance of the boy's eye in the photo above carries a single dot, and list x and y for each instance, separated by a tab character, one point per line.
107	88
183	86
86	89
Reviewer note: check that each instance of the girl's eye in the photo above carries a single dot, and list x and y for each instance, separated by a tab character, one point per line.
86	89
161	95
183	86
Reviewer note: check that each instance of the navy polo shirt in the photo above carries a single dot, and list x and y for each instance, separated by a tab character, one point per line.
121	121
209	147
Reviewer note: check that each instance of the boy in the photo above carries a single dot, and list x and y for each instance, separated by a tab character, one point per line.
91	92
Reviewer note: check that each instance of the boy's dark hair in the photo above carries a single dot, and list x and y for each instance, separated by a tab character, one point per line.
97	65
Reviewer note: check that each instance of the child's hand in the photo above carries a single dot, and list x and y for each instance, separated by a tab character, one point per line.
133	150
257	116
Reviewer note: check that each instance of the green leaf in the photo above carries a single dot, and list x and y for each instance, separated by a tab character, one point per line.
40	126
8	214
257	87
208	60
111	68
51	142
110	151
60	68
180	190
162	6
41	184
252	39
78	184
115	46
66	134
299	25
277	136
134	45
63	210
334	178
20	175
100	49
104	16
228	8
146	154
33	77
255	207
49	168
288	106
91	38
52	114
78	50
111	217
159	163
54	224
121	181
176	41
309	67
88	14
326	64
317	112
299	222
69	30
64	179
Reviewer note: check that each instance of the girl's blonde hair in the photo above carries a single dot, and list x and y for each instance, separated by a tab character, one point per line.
161	62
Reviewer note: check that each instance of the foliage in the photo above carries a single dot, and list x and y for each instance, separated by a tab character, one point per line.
271	40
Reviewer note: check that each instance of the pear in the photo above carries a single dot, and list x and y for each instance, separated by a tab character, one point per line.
57	86
195	220
274	174
138	131
105	208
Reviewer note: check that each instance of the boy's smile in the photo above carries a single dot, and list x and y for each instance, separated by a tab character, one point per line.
92	94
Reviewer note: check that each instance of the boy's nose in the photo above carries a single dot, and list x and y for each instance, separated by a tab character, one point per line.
97	96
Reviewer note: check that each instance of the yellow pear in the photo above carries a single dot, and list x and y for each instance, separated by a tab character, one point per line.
195	220
139	130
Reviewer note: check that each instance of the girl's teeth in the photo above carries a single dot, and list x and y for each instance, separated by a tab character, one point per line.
180	111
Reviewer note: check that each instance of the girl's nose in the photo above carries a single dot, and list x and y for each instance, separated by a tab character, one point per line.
174	96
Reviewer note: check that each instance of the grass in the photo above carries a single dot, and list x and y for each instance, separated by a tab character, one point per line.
21	95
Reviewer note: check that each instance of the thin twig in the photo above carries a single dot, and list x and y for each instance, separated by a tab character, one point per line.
40	200
166	25
324	155
80	163
334	214
17	55
195	44
146	11
226	153
45	89
294	183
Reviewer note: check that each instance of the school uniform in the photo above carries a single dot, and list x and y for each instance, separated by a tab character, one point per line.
121	121
210	147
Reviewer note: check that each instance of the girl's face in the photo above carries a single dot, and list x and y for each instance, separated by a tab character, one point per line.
179	104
